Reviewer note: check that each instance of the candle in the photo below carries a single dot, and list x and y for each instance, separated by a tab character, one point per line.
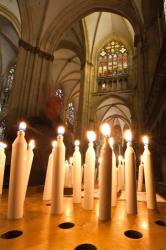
114	175
58	174
89	171
49	173
130	176
149	176
2	164
29	160
66	173
120	173
17	175
140	175
77	174
105	176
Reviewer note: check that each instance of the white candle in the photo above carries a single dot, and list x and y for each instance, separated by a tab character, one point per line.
77	174
140	175
17	175
2	164
58	174
120	173
29	160
130	176
66	173
89	170
49	173
149	176
105	176
114	175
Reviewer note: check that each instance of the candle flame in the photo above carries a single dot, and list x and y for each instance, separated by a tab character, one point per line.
3	145
105	129
142	158
91	136
61	130
111	141
71	160
22	126
54	143
32	144
145	140
128	135
77	143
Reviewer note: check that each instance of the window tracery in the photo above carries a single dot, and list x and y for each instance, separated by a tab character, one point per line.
112	60
59	93
70	113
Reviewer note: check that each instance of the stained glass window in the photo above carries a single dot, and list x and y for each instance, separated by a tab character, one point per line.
112	60
10	78
2	129
59	93
70	113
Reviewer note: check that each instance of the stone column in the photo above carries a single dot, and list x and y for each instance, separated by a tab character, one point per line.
32	83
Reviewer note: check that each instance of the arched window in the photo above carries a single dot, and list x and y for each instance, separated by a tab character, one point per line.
165	9
59	93
112	60
70	113
10	77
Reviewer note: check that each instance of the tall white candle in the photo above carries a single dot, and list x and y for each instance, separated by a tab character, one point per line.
29	160
77	174
149	176
49	173
120	173
89	171
58	174
2	164
17	175
105	177
66	173
130	176
140	175
114	175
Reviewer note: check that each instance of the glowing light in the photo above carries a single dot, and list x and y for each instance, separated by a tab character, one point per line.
145	140
91	136
142	158
77	143
128	135
99	160
111	141
120	158
32	144
3	145
54	143
22	126
71	160
105	129
61	130
144	225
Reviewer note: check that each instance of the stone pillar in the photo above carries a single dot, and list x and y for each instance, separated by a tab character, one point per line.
32	83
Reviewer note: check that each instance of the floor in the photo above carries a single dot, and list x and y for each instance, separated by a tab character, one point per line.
41	231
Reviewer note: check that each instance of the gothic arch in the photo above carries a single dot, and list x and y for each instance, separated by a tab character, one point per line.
81	9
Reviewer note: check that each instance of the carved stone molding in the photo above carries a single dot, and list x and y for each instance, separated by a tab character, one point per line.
35	50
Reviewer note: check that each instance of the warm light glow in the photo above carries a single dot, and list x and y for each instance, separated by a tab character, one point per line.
99	160
22	126
61	130
120	158
3	145
142	158
77	143
32	144
128	135
91	136
144	225
71	160
111	141
145	140
54	143
105	129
